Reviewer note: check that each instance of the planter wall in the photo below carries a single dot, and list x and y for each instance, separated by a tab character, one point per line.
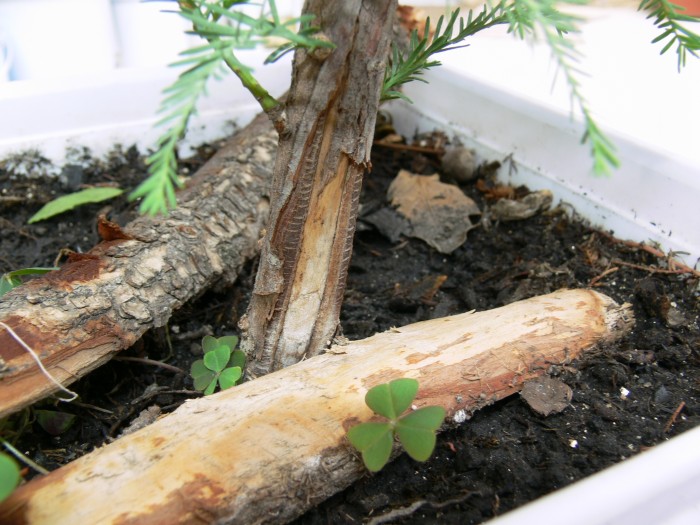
50	39
120	107
136	24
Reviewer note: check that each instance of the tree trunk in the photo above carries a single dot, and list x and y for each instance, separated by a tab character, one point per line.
323	152
267	450
75	319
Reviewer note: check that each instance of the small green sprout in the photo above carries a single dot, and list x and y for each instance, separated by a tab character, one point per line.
9	476
11	280
415	430
73	200
53	421
222	364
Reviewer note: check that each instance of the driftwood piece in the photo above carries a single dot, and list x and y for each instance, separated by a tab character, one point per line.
75	319
267	450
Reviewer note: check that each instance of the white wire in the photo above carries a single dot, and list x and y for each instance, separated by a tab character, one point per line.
24	345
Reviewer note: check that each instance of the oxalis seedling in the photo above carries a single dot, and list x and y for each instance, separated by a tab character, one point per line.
222	364
415	430
13	279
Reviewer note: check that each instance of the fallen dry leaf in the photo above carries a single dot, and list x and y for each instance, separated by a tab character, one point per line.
437	213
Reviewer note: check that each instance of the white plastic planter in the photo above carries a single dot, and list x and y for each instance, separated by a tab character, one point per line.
149	33
50	39
5	60
495	96
120	107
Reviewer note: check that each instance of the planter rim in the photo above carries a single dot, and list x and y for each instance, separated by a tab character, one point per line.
121	107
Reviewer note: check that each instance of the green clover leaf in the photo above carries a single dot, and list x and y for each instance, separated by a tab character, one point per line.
221	365
415	430
203	377
217	359
229	377
392	399
374	441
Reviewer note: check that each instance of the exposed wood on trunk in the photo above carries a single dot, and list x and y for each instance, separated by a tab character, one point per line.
104	300
331	110
267	450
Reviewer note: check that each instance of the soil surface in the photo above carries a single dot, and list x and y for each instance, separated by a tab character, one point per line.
627	397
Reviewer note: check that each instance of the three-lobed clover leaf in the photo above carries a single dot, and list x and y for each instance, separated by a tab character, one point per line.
415	430
374	441
222	364
392	399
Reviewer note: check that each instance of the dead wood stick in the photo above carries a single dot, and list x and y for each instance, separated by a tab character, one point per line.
75	319
267	450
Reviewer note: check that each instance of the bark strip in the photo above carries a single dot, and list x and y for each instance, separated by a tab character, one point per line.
267	450
75	319
331	111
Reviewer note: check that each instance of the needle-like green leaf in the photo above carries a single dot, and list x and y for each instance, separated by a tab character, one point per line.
227	30
68	202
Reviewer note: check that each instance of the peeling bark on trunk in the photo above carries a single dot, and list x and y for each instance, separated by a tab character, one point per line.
267	450
323	153
104	300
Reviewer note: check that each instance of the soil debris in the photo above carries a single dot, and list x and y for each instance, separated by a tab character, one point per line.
547	396
502	457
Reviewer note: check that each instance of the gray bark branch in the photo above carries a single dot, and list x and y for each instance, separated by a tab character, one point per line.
75	319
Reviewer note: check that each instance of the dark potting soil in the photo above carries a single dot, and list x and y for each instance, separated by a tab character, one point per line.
627	397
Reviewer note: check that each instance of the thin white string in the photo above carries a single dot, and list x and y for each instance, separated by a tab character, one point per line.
24	345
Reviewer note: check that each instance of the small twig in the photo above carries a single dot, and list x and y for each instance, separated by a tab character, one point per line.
413	507
162	390
397	513
143	397
594	281
653	269
168	342
193	334
674	265
146	361
674	416
20	231
88	406
20	341
24	459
